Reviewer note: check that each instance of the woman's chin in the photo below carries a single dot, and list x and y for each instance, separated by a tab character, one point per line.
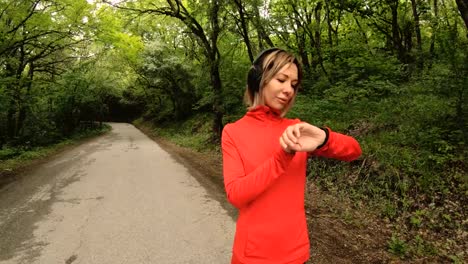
278	108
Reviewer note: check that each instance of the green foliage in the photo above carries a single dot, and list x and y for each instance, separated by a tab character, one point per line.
166	82
417	218
421	247
364	74
398	246
456	259
389	209
194	132
7	153
12	158
42	98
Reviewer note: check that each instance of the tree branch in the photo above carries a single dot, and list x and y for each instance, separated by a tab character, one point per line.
31	13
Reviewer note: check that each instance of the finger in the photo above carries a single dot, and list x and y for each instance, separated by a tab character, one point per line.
306	128
283	145
287	140
297	131
297	147
290	134
294	147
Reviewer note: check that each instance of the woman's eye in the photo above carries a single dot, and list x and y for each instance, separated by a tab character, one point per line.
281	80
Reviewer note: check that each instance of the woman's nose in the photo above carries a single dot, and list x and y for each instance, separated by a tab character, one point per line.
288	89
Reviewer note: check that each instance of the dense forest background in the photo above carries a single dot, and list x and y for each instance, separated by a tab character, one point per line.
392	73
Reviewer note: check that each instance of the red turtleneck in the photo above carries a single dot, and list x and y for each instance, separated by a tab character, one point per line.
267	185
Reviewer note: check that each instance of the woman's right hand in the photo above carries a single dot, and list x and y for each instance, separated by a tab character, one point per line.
301	137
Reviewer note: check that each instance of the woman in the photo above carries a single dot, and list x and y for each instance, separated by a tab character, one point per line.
264	164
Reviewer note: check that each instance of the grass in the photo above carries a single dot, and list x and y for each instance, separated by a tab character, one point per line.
12	158
193	133
398	246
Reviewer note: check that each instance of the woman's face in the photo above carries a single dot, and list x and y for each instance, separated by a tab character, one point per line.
279	91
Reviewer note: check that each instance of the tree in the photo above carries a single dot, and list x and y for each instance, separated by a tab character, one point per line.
417	29
166	76
261	25
463	8
243	27
36	35
298	26
207	37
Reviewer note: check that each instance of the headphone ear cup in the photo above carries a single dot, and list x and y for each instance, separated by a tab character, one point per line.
254	78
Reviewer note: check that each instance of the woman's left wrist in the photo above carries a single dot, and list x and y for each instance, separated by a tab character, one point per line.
325	140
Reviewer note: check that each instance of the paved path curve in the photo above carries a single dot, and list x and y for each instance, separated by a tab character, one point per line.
117	199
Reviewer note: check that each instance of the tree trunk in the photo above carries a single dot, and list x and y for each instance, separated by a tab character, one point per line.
17	90
301	40
364	36
263	37
210	48
244	28
434	31
25	104
330	28
463	8
318	42
11	119
11	113
330	32
301	44
214	72
217	100
396	38
417	29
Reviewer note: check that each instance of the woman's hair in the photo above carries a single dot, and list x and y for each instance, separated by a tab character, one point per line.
264	68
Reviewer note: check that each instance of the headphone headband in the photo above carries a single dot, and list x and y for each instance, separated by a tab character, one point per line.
262	55
254	77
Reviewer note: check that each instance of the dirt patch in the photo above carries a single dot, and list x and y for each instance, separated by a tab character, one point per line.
6	176
340	234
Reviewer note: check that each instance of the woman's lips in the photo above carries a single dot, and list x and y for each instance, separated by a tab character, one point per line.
282	100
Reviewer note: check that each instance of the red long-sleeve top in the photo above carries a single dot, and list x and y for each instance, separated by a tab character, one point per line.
267	185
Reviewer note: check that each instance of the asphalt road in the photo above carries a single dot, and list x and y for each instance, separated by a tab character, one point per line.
119	198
